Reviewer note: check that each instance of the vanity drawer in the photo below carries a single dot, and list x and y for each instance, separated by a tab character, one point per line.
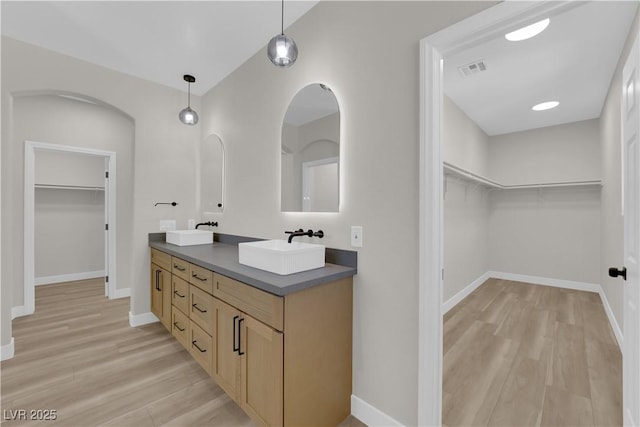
180	268
161	259
180	326
180	294
261	305
201	277
201	309
201	347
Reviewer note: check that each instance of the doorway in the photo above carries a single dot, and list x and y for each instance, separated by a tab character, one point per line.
109	193
494	22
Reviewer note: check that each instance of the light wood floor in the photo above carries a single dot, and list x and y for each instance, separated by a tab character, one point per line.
517	354
77	355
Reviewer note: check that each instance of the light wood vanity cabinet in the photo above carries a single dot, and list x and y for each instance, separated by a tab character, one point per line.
161	290
284	360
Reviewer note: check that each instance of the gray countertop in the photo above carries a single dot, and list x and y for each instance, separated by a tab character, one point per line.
223	258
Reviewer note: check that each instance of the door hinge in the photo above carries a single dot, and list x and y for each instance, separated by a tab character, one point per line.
106	174
106	279
106	226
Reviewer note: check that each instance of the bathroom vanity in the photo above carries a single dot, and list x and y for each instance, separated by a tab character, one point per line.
280	346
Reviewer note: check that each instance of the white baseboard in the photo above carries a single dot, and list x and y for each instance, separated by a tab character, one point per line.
17	311
7	351
612	319
121	293
370	415
142	319
72	277
454	300
546	281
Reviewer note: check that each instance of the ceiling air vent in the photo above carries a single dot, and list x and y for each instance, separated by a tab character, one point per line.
473	68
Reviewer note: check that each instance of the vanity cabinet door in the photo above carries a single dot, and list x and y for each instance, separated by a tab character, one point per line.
161	295
226	368
261	359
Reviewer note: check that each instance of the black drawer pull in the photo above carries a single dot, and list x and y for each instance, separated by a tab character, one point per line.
198	308
202	279
235	348
196	346
240	352
158	280
178	327
177	293
177	267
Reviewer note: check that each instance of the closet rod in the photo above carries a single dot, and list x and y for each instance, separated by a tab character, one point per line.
68	187
448	167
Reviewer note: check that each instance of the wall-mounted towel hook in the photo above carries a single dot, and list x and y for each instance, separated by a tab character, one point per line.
172	204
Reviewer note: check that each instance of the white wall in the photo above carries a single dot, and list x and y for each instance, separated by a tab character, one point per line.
69	232
163	158
569	152
374	75
58	120
466	206
465	145
546	233
68	223
551	233
612	227
64	168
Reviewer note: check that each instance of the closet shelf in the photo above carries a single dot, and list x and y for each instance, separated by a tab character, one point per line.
68	187
453	170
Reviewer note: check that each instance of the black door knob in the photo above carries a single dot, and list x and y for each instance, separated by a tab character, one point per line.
614	272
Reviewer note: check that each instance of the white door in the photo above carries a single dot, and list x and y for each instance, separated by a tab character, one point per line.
631	211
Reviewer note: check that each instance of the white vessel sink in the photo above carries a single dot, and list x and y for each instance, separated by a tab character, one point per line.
189	237
280	256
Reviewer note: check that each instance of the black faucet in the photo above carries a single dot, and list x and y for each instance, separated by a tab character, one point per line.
210	224
301	232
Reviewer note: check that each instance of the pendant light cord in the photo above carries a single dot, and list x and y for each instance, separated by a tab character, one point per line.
282	17
189	94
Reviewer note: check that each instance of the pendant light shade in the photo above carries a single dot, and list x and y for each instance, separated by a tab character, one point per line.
282	50
187	115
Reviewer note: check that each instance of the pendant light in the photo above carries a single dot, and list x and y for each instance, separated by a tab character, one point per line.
282	50
187	115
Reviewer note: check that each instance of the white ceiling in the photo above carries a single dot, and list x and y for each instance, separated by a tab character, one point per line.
572	62
158	41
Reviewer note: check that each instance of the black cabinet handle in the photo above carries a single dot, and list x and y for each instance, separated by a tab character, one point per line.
235	348
198	308
202	279
178	293
196	346
158	280
177	267
175	324
614	272
240	352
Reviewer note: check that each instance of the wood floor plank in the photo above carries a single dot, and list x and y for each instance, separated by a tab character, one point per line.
566	409
605	378
559	362
569	361
78	355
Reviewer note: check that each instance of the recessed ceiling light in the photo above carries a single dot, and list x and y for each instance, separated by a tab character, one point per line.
545	106
528	31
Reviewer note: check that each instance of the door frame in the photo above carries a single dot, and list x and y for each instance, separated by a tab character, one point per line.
306	166
30	149
475	30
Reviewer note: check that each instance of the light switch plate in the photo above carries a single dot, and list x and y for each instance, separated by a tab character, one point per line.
356	236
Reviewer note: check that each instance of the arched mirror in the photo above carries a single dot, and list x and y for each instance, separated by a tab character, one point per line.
310	166
211	175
